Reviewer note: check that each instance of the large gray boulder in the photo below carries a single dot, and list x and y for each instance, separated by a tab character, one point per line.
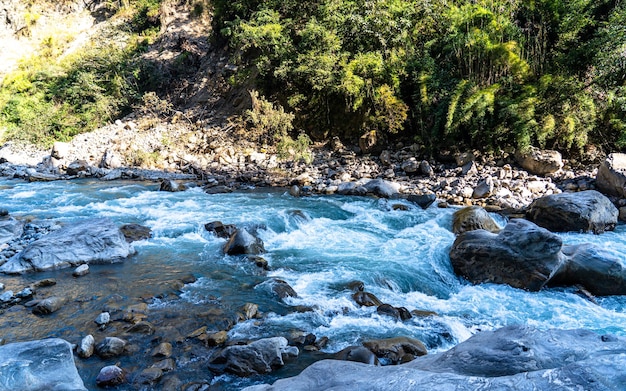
539	162
10	229
46	364
586	211
600	270
611	177
513	358
90	241
258	357
522	255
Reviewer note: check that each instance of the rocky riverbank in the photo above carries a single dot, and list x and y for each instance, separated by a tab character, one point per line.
132	149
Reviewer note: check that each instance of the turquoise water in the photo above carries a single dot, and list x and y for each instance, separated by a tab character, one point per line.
318	245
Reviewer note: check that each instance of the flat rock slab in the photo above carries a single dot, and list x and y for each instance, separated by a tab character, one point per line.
46	364
514	358
85	242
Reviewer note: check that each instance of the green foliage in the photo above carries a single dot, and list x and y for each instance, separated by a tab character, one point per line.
272	126
54	96
490	74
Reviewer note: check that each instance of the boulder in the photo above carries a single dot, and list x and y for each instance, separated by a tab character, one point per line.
366	299
382	188
397	350
10	229
611	177
539	162
49	305
171	186
111	347
35	176
111	376
513	358
135	232
89	241
422	200
426	169
60	150
220	230
46	364
484	188
80	271
110	160
522	255
471	218
243	242
258	357
76	167
86	347
600	270
586	211
357	354
370	142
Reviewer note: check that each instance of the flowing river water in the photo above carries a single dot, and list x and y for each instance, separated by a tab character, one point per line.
317	244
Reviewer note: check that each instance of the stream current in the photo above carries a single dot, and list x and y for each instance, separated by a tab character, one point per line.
317	244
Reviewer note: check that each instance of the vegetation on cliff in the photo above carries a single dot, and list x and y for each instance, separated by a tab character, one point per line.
492	74
57	92
486	74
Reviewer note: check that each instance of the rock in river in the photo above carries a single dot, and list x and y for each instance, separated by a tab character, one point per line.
582	211
258	357
513	358
89	241
522	255
46	364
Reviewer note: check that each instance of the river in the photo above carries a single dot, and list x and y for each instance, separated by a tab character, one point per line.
317	244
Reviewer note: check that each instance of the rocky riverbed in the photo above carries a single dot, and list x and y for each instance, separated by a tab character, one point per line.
149	343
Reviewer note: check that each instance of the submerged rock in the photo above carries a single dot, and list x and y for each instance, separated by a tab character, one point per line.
46	364
89	241
583	211
516	358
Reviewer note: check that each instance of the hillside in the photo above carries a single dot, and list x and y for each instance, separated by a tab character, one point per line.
281	76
